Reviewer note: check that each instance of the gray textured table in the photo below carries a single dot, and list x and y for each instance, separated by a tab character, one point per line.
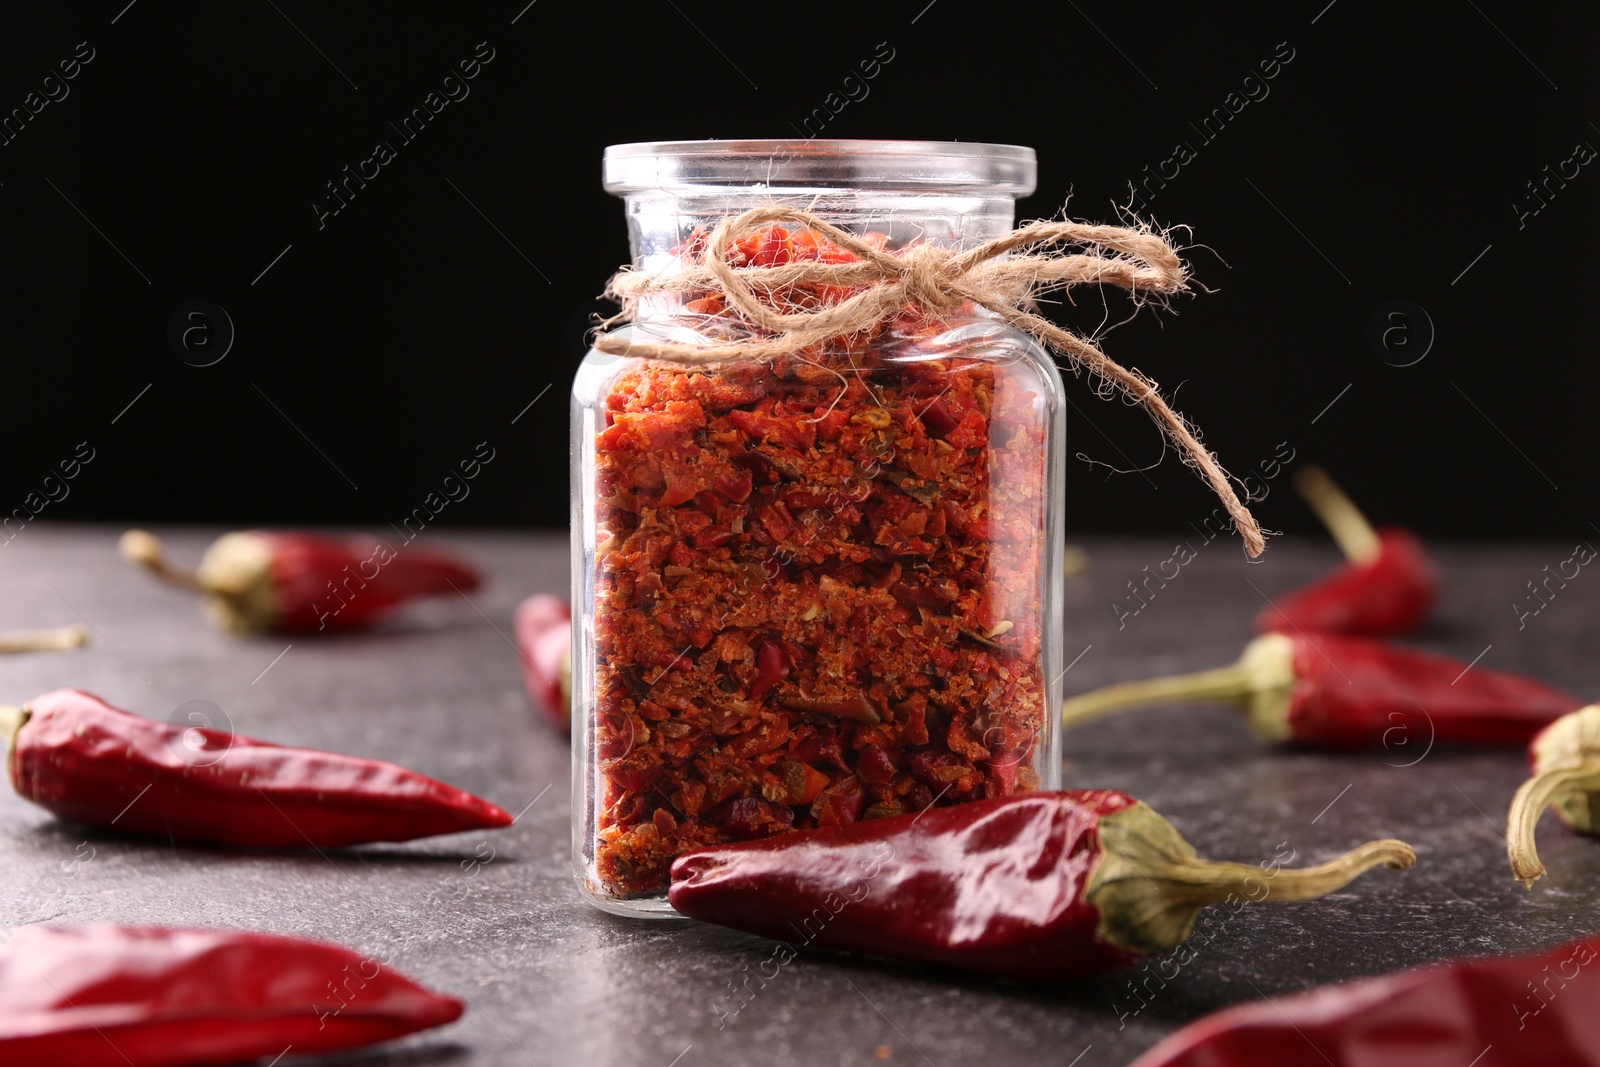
550	981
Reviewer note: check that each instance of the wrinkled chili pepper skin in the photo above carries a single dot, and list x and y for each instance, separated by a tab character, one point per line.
1435	1016
543	626
85	761
1393	594
110	996
1352	693
994	886
349	582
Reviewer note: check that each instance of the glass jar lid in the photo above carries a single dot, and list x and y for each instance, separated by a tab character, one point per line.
911	166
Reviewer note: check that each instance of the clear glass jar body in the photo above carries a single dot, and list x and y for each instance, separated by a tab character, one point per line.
809	589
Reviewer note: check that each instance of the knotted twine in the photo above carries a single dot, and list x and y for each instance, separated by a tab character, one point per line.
1003	275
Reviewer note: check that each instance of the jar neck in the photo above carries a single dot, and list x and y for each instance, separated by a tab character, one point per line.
660	222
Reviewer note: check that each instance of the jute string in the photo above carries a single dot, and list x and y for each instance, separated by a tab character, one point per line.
1004	275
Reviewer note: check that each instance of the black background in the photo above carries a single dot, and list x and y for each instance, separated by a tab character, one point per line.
453	290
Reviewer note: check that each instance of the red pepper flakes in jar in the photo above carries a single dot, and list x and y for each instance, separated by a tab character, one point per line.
822	587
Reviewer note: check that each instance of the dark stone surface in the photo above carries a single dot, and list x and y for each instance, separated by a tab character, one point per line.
498	921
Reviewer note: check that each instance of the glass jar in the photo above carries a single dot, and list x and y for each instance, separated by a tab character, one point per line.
816	588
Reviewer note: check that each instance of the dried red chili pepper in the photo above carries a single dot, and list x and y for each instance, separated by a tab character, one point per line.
82	759
57	640
111	996
1493	1011
1388	586
1038	886
1565	758
1342	691
295	582
543	626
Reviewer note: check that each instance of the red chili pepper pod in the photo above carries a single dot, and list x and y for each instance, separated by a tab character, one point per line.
1507	1011
1346	692
1034	886
1565	759
1389	585
543	626
83	760
295	582
111	996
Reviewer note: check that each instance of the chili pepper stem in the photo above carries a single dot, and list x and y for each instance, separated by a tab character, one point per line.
1258	684
11	721
1535	795
1350	529
1212	882
56	640
1150	886
566	682
1221	685
145	549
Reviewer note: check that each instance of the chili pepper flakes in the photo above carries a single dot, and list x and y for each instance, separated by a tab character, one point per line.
818	595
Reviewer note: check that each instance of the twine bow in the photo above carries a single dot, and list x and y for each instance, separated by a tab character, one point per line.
1004	276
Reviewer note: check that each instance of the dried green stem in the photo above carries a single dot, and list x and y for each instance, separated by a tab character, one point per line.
11	721
1522	847
1150	887
56	640
146	550
1350	529
1221	685
1211	882
566	683
1258	684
